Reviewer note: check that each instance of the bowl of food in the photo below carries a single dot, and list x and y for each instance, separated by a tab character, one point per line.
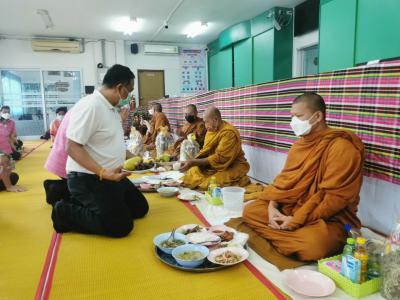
167	191
228	256
166	243
203	238
190	255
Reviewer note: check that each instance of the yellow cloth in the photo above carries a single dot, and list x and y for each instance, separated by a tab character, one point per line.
95	267
223	149
319	187
25	227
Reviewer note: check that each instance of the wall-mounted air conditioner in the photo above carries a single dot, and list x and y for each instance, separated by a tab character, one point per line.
57	45
160	49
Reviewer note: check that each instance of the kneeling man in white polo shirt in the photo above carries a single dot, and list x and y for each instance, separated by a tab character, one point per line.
103	201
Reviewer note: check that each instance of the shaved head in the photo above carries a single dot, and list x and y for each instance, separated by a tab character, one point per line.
212	119
313	101
157	106
212	112
309	107
192	107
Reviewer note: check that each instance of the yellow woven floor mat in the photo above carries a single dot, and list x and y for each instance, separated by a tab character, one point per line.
25	228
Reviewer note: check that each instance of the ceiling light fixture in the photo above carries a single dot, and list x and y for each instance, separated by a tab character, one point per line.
46	18
127	25
195	29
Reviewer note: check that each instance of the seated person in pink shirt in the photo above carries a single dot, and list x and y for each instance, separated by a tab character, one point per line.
56	161
8	134
55	124
8	179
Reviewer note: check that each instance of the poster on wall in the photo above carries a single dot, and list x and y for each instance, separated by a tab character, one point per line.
193	71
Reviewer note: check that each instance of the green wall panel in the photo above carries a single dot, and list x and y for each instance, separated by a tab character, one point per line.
234	34
243	59
378	30
261	23
213	47
283	50
263	57
220	70
212	71
337	34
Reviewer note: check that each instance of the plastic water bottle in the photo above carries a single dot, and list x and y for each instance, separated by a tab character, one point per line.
390	265
351	232
362	255
350	247
212	185
348	250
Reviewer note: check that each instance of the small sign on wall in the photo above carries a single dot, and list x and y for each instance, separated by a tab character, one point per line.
193	71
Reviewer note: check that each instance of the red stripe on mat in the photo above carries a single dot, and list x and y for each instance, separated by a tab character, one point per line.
249	266
33	149
46	279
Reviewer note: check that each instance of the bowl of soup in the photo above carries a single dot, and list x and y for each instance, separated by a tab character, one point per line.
167	244
190	255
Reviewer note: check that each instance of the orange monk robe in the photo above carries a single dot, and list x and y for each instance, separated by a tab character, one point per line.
223	149
198	128
319	186
158	120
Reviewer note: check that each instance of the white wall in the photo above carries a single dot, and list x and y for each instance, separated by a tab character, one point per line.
17	53
300	42
169	63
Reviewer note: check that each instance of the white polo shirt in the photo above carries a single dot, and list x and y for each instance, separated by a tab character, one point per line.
96	125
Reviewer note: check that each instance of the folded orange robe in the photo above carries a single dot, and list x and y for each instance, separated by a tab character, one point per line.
319	186
223	150
198	128
158	120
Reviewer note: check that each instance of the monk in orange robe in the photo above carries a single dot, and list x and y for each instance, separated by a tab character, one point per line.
303	212
222	156
158	120
194	125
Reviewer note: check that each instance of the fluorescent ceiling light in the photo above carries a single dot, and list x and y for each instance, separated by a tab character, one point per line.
195	29
46	18
127	25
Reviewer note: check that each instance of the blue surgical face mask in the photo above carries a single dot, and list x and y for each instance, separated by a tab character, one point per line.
126	101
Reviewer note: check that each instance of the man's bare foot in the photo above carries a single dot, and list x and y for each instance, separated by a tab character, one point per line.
16	189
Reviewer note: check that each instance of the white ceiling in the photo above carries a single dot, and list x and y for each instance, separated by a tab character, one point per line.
94	18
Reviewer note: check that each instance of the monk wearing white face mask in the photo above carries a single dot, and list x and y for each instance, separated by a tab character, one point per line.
303	212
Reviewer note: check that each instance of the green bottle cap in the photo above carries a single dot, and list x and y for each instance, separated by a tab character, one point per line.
350	241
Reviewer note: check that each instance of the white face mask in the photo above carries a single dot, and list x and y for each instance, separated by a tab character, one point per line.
5	116
60	117
300	127
151	111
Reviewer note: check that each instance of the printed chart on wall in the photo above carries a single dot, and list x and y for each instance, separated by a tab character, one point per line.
193	71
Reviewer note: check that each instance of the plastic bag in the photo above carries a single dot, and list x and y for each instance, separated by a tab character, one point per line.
164	141
135	143
189	148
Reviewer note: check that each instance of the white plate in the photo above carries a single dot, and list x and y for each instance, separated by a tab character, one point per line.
137	180
222	229
188	197
236	250
309	283
139	171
